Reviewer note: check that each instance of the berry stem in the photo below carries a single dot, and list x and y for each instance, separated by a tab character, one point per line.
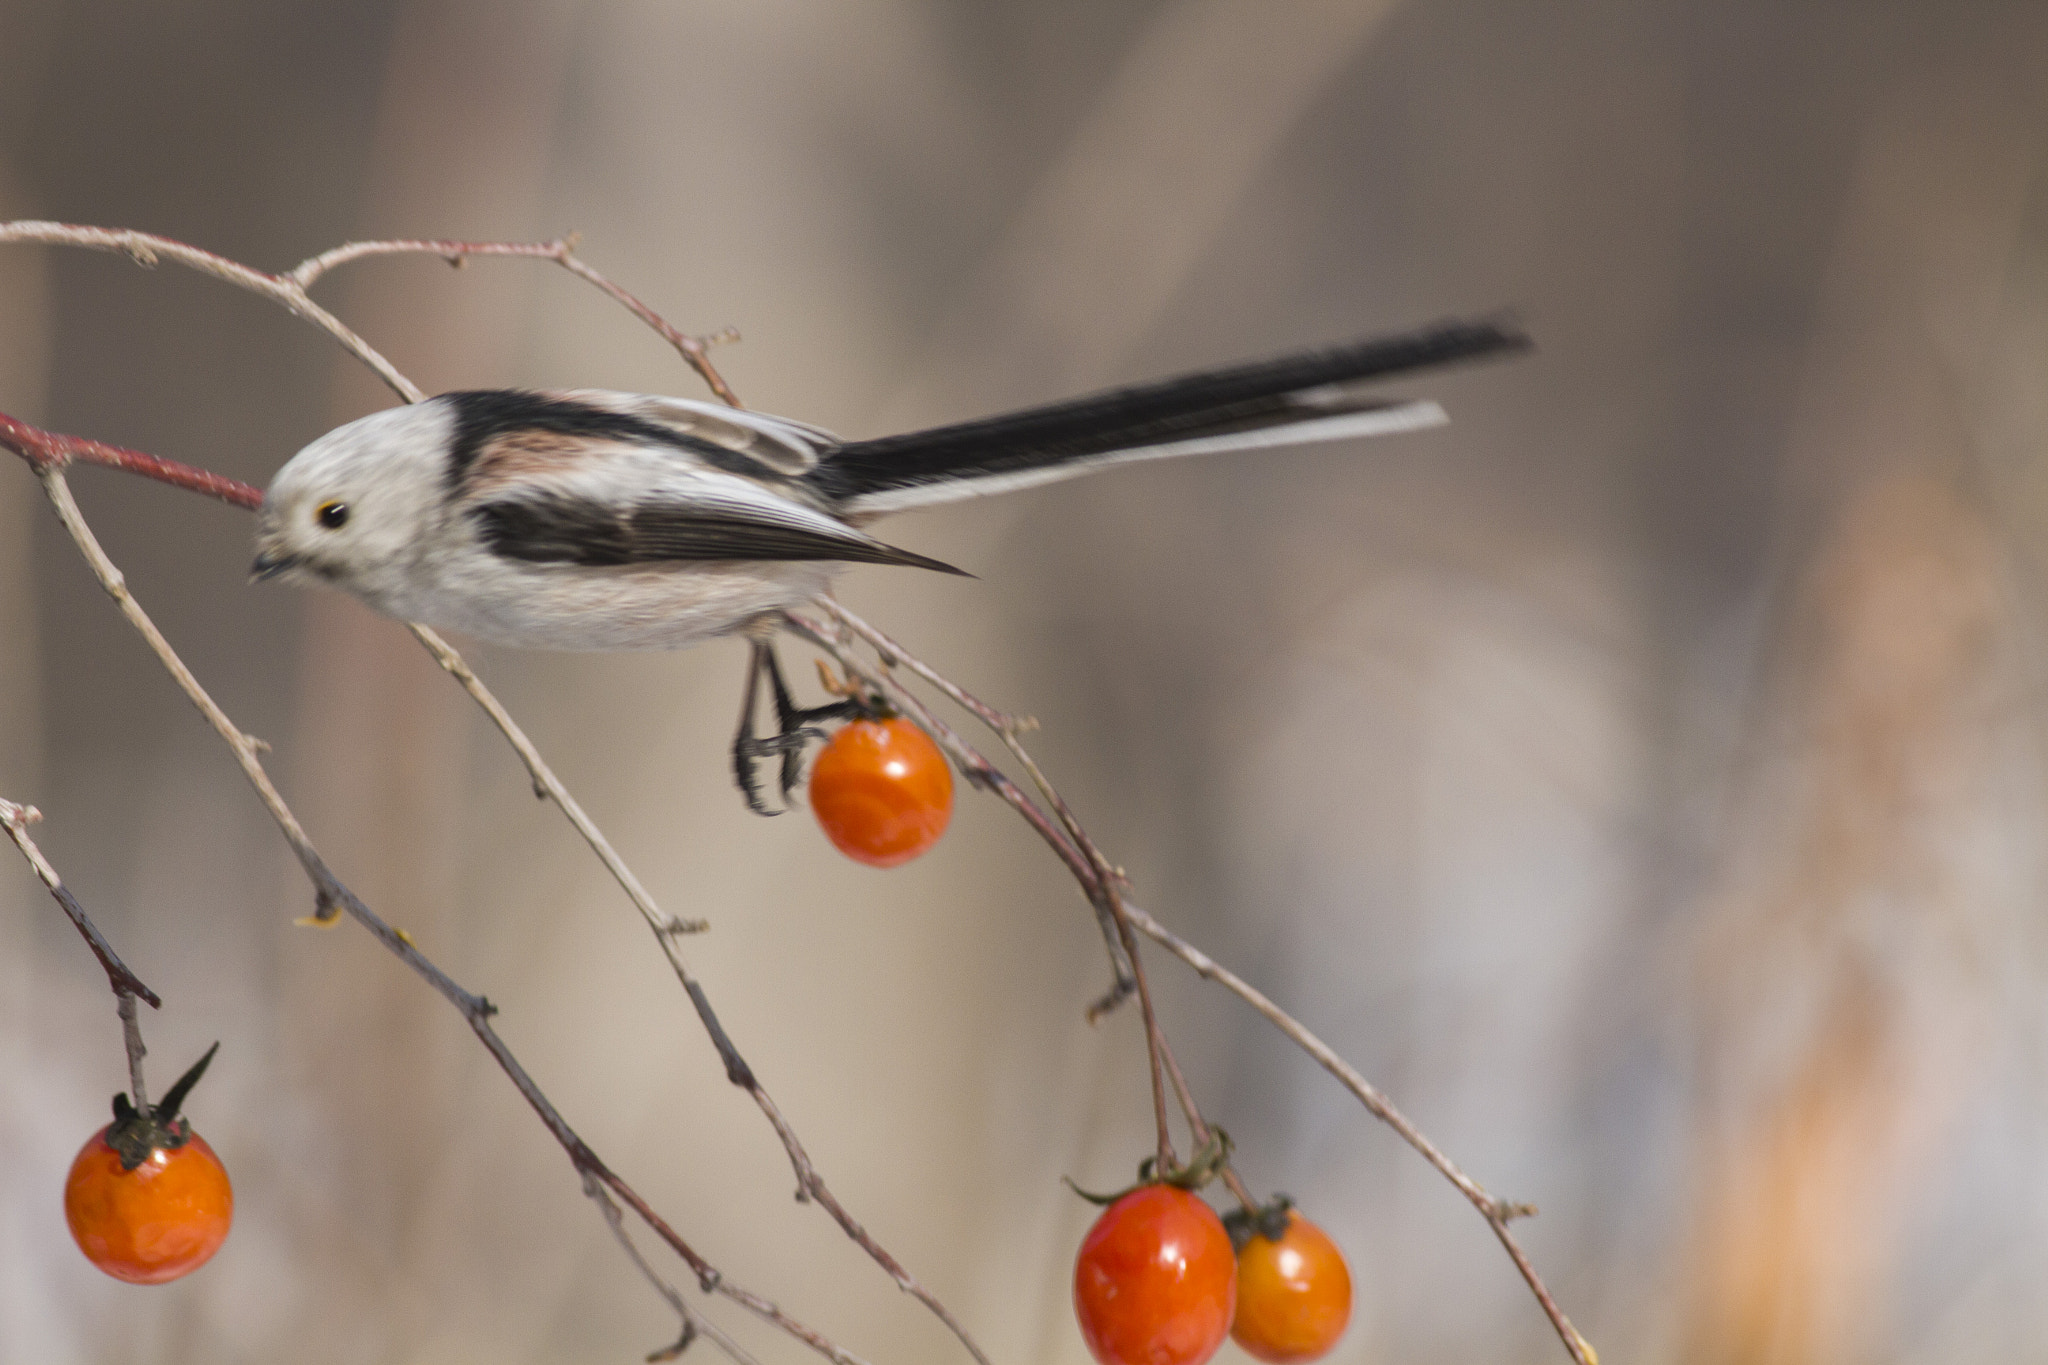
131	1034
1155	1041
1199	1127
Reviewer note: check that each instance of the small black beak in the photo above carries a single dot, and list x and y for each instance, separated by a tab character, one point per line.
268	566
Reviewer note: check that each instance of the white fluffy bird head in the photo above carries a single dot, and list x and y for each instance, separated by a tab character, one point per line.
353	508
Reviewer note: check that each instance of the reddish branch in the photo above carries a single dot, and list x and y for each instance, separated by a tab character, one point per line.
49	450
1100	882
48	453
332	897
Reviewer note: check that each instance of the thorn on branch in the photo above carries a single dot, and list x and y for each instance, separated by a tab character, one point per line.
140	254
676	927
1505	1212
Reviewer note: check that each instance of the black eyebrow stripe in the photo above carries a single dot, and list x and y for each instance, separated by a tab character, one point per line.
483	415
553	528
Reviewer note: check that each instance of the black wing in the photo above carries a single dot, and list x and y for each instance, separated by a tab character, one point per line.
558	528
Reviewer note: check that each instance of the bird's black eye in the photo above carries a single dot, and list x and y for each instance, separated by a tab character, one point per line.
332	515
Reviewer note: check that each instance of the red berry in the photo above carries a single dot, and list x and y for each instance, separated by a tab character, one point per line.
1156	1281
882	791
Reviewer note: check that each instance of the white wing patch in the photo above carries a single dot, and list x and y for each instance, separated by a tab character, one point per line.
781	446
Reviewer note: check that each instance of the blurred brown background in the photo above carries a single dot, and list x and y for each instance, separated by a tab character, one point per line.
1641	778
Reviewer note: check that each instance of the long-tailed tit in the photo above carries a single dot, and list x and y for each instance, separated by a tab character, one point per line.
590	520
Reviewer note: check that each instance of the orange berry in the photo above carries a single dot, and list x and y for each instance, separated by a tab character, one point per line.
162	1220
882	791
1293	1295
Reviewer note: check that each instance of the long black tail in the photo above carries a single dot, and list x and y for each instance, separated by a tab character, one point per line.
1305	397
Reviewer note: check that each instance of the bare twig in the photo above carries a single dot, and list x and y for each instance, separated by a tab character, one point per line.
694	1323
1100	882
49	450
16	819
48	453
1097	879
289	288
1498	1213
810	1185
127	986
694	350
131	1042
1198	1127
1075	848
333	897
147	249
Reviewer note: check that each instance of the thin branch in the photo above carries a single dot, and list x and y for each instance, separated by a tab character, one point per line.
147	249
288	289
694	1324
49	450
16	819
1102	879
694	350
131	1042
332	897
1498	1213
48	453
126	985
1100	883
666	930
1199	1127
978	771
1098	879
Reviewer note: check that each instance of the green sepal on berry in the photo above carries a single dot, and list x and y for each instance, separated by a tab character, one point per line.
135	1133
1204	1166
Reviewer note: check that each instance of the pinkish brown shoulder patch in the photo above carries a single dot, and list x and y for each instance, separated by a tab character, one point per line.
520	455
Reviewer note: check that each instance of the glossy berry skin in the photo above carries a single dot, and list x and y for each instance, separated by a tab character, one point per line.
155	1223
882	791
1155	1282
1293	1295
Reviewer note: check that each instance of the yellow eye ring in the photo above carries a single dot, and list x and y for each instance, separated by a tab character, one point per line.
332	515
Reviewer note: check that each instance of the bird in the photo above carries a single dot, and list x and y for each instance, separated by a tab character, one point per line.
588	519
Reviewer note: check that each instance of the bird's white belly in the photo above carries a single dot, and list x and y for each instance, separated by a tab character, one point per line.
572	607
